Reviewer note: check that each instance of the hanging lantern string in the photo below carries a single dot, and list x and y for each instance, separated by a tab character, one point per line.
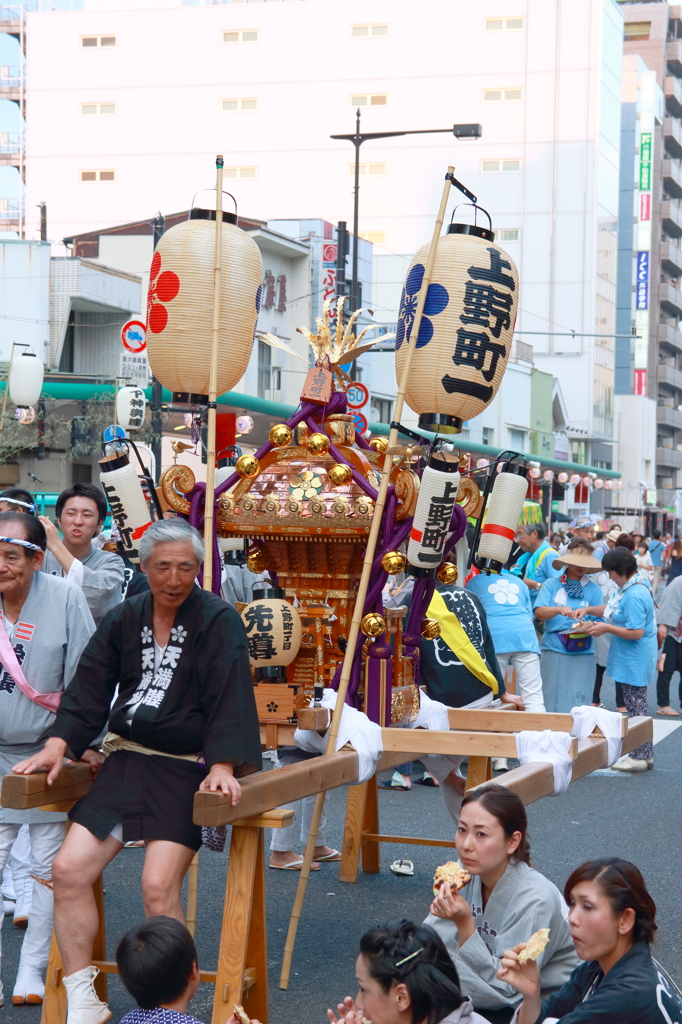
348	661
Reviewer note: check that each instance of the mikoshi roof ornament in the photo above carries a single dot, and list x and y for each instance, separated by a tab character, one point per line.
466	332
180	304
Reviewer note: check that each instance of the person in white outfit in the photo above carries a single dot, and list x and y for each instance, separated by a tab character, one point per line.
45	625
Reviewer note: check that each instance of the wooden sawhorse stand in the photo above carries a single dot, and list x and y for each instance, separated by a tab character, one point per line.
242	973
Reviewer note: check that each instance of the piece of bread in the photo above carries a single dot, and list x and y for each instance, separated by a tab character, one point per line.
453	873
535	945
241	1015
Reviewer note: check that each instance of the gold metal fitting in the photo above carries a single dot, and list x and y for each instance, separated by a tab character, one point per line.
448	572
379	444
373	624
280	435
247	466
339	474
318	444
430	629
393	563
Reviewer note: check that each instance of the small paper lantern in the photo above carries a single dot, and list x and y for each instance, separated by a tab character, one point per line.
599	483
482	463
244	424
587	481
618	484
180	304
25	414
131	405
608	484
466	331
273	629
432	516
548	475
502	516
575	478
26	379
535	473
129	508
562	478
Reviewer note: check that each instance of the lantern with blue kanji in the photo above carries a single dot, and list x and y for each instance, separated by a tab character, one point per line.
466	330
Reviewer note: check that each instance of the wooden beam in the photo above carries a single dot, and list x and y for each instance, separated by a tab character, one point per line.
22	792
474	744
487	720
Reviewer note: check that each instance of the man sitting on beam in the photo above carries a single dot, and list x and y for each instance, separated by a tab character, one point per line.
184	718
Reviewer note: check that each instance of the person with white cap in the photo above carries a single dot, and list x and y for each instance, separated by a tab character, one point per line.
607	543
567	659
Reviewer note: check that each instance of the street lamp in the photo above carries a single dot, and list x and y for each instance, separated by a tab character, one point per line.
460	131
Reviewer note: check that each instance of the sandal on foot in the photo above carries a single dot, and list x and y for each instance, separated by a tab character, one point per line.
295	865
395	782
334	855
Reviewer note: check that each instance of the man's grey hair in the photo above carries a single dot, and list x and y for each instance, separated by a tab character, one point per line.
534	528
170	531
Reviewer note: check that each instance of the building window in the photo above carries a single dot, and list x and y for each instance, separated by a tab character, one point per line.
494	166
241	35
517	439
98	175
81	473
488	435
241	172
264	369
503	24
382	409
369	170
509	235
637	30
90	41
375	237
368	31
502	95
98	109
249	104
375	99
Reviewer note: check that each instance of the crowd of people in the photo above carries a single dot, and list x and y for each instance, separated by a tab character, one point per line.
149	683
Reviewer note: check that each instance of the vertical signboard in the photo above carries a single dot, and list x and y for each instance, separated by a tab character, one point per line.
643	248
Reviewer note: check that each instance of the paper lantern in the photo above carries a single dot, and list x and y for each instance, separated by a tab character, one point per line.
244	424
180	304
575	478
432	516
618	484
26	379
129	508
548	475
25	414
608	484
599	483
131	405
273	630
534	473
562	478
466	332
502	515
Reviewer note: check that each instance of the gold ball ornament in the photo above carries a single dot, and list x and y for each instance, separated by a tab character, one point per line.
448	573
393	563
373	624
280	435
379	444
430	629
247	466
318	444
340	474
255	561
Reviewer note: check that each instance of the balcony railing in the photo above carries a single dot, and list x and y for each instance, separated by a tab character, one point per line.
12	142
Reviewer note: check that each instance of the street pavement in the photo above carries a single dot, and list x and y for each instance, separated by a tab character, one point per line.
606	814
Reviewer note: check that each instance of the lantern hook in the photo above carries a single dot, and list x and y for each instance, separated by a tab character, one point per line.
213	190
476	208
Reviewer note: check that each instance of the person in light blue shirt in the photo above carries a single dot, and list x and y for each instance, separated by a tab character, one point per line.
538	566
634	648
567	662
656	551
508	608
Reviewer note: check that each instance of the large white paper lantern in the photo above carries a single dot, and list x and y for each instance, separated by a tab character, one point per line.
131	405
127	502
466	332
26	379
180	304
502	515
273	629
432	516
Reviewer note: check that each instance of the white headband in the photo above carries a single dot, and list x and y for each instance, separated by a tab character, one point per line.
22	543
15	501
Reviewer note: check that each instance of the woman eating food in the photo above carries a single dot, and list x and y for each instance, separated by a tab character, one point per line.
503	904
405	976
613	920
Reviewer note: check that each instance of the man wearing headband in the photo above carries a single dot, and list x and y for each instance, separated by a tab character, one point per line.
45	625
16	499
80	511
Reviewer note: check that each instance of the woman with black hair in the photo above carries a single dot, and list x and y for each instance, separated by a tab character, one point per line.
613	921
634	649
505	902
405	976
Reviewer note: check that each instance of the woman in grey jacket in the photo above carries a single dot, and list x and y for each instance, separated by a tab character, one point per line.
504	904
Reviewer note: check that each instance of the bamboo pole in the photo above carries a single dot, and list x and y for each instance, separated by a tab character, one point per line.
209	500
363	586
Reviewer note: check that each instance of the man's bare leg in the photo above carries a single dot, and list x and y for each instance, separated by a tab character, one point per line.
165	866
75	869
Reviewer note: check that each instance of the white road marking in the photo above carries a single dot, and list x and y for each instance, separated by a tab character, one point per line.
664	728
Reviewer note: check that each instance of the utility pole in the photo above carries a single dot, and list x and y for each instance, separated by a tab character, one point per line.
158	228
43	221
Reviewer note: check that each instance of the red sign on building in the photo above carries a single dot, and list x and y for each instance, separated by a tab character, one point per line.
640	382
645	206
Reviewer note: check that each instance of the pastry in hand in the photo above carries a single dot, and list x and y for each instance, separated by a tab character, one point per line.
241	1015
535	945
453	873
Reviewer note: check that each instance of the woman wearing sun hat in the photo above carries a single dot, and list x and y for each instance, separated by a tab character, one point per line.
567	653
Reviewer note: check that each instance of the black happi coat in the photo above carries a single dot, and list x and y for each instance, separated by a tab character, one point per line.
201	700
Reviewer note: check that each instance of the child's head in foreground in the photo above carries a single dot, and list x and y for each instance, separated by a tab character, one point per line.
157	962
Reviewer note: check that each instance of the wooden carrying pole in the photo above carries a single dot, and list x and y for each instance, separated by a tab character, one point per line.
209	513
364	584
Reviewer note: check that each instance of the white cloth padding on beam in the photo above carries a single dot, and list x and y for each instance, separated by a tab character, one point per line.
585	718
355	728
432	715
547	747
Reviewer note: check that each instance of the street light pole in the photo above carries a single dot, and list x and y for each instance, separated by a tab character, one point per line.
460	131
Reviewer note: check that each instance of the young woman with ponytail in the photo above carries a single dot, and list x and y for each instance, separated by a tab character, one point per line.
505	902
613	921
405	976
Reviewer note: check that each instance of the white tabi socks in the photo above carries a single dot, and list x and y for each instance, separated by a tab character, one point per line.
85	1006
29	986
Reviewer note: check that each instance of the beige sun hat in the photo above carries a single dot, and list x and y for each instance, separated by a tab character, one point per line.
578	558
613	535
